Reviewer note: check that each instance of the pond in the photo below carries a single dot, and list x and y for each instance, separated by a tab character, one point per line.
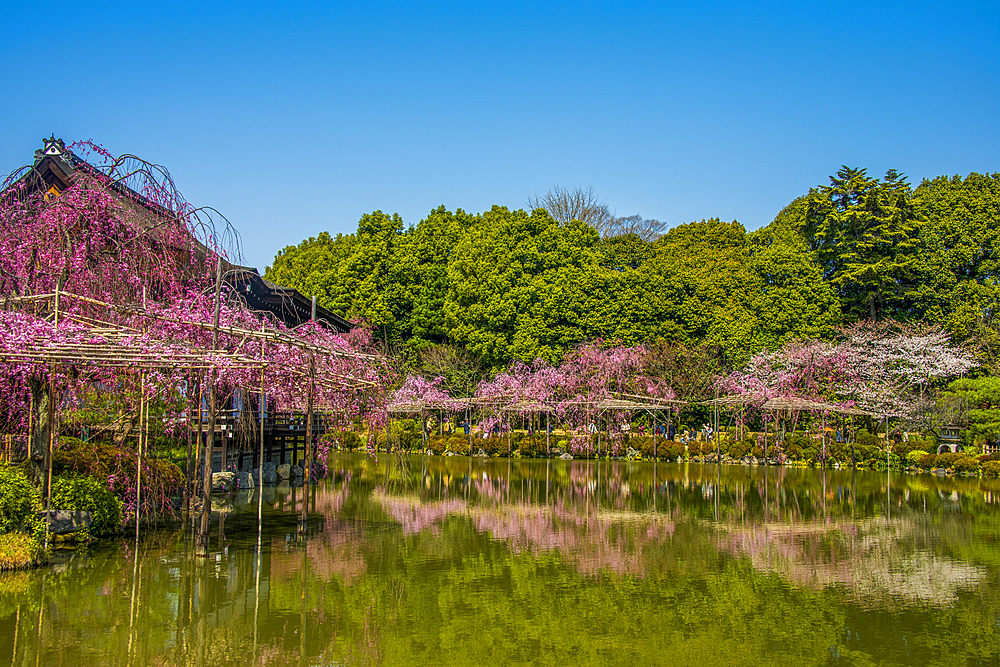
457	561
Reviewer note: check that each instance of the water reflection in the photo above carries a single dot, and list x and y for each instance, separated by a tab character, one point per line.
455	561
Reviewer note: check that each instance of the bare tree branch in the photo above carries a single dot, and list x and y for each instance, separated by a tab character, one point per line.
566	204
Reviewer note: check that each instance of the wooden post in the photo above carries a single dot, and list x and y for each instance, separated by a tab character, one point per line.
548	447
260	461
190	463
423	429
655	426
309	417
199	445
599	429
223	444
48	450
718	444
510	442
201	548
854	459
138	454
822	437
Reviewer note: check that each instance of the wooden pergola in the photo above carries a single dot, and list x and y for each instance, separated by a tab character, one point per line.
789	404
97	343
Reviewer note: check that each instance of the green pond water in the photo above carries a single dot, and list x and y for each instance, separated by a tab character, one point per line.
451	561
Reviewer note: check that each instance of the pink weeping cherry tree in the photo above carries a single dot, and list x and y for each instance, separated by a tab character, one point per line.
121	262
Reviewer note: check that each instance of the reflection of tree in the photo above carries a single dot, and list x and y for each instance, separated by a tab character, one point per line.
699	565
872	559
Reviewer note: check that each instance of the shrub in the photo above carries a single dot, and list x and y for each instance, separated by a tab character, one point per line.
533	446
868	455
991	469
740	449
673	450
913	457
793	447
989	457
20	504
458	444
348	440
946	460
492	446
409	440
437	443
880	462
863	437
89	494
966	464
927	462
838	451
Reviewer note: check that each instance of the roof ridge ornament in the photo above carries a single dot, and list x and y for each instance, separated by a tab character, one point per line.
50	146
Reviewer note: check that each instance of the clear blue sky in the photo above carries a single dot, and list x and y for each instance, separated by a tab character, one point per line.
295	120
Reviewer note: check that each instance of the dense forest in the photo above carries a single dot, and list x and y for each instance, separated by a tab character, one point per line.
527	284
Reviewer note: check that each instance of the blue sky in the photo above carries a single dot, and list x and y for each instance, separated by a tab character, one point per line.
293	121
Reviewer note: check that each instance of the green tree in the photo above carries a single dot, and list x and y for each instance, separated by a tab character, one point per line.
316	266
515	285
422	260
866	236
979	399
960	257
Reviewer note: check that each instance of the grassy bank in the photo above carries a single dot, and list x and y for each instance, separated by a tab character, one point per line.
19	550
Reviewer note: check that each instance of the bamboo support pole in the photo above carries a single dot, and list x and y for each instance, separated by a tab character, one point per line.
138	454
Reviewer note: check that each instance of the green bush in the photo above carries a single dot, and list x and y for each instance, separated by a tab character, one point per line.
947	459
738	450
20	504
894	461
533	446
494	446
913	457
437	444
838	451
89	494
408	440
673	450
458	444
863	437
967	464
795	446
991	469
